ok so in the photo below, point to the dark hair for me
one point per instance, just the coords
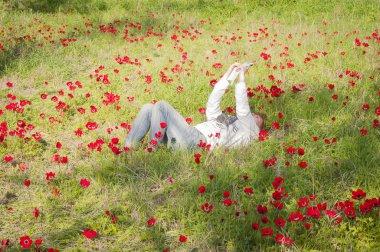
(263, 117)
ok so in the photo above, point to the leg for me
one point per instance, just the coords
(140, 127)
(177, 131)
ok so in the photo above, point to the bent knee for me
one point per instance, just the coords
(147, 106)
(161, 105)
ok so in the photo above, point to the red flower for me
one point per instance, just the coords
(302, 164)
(151, 222)
(301, 151)
(148, 79)
(227, 202)
(91, 125)
(303, 202)
(36, 213)
(84, 183)
(197, 158)
(38, 242)
(279, 222)
(280, 239)
(365, 107)
(264, 220)
(27, 183)
(8, 158)
(365, 208)
(377, 111)
(255, 226)
(358, 194)
(297, 216)
(270, 162)
(25, 242)
(248, 190)
(163, 125)
(49, 176)
(207, 208)
(277, 204)
(89, 233)
(262, 209)
(291, 150)
(263, 135)
(189, 120)
(331, 214)
(313, 212)
(277, 195)
(266, 232)
(226, 194)
(350, 212)
(277, 182)
(202, 110)
(182, 238)
(201, 189)
(363, 132)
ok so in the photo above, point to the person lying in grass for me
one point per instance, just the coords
(168, 127)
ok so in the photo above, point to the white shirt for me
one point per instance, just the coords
(240, 132)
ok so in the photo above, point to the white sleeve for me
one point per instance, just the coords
(213, 109)
(243, 112)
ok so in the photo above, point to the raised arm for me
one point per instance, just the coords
(243, 112)
(213, 109)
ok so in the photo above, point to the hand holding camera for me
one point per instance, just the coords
(240, 70)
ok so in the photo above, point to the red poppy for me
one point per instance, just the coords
(302, 164)
(38, 242)
(277, 195)
(291, 150)
(84, 183)
(163, 125)
(303, 202)
(248, 190)
(262, 209)
(89, 233)
(227, 202)
(255, 226)
(350, 212)
(277, 204)
(151, 222)
(365, 208)
(182, 238)
(36, 213)
(297, 216)
(331, 213)
(25, 242)
(301, 151)
(277, 182)
(279, 222)
(313, 212)
(27, 183)
(358, 194)
(280, 239)
(49, 176)
(266, 232)
(207, 208)
(201, 189)
(91, 125)
(226, 194)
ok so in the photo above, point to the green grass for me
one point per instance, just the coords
(135, 186)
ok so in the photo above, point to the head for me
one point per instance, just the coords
(259, 119)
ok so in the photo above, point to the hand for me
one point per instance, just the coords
(231, 68)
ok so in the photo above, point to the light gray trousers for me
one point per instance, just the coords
(177, 133)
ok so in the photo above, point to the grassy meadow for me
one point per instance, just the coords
(74, 74)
